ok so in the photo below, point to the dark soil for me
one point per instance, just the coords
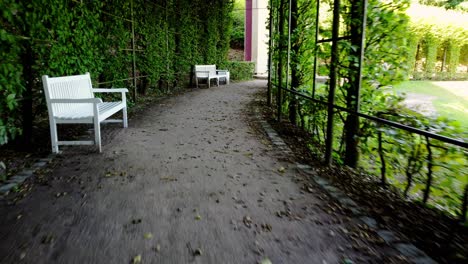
(441, 237)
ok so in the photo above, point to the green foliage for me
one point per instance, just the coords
(238, 18)
(422, 168)
(239, 70)
(438, 31)
(449, 4)
(11, 85)
(73, 37)
(453, 57)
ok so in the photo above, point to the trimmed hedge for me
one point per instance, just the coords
(239, 70)
(437, 36)
(65, 37)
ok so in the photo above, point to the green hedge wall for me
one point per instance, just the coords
(442, 38)
(239, 70)
(64, 37)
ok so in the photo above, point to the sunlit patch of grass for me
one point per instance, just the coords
(446, 103)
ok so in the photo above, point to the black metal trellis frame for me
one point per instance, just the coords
(331, 107)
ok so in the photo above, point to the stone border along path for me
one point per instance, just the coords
(408, 250)
(173, 173)
(17, 180)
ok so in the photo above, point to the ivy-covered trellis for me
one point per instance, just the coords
(141, 44)
(360, 122)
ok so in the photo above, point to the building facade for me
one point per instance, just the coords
(256, 35)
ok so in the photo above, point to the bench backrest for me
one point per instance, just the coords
(67, 87)
(209, 68)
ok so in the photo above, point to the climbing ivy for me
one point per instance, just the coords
(10, 72)
(424, 169)
(64, 37)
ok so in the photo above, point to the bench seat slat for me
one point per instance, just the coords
(82, 111)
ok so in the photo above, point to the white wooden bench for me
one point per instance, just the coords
(209, 72)
(70, 100)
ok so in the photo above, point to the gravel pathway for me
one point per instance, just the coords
(190, 181)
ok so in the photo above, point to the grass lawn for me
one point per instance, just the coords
(446, 102)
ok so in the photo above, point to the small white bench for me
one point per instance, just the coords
(209, 72)
(70, 100)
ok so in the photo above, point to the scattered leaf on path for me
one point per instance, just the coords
(197, 252)
(148, 235)
(168, 179)
(248, 154)
(197, 217)
(266, 227)
(247, 221)
(136, 221)
(265, 261)
(136, 259)
(47, 239)
(157, 248)
(281, 170)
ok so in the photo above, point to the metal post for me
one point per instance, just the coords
(331, 92)
(314, 78)
(288, 61)
(133, 54)
(352, 121)
(270, 55)
(279, 98)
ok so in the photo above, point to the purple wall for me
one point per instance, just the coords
(248, 31)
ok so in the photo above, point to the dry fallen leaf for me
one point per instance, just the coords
(136, 259)
(168, 179)
(247, 221)
(157, 248)
(281, 169)
(197, 252)
(148, 235)
(265, 261)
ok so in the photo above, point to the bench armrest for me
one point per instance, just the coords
(110, 90)
(222, 70)
(113, 90)
(76, 101)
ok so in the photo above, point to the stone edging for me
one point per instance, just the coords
(408, 250)
(16, 181)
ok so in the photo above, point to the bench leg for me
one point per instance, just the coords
(124, 114)
(196, 81)
(209, 82)
(97, 134)
(54, 137)
(217, 81)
